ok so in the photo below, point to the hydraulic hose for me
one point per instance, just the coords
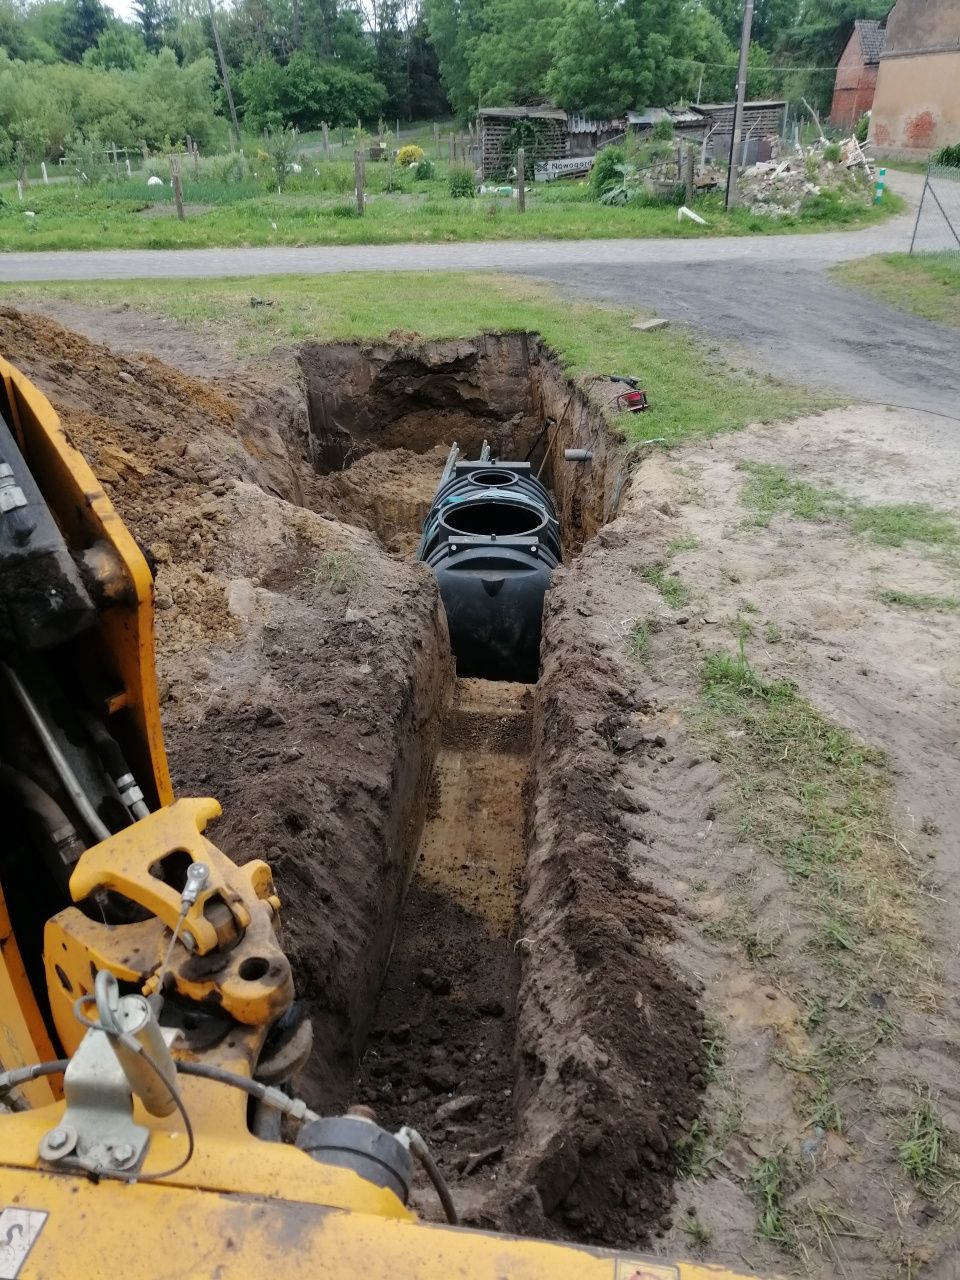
(98, 829)
(42, 805)
(266, 1094)
(420, 1149)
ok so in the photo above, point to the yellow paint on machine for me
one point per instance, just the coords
(144, 1232)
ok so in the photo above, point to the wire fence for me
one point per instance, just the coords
(937, 226)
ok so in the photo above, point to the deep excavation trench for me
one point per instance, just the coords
(480, 1036)
(479, 954)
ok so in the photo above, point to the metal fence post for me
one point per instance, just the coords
(521, 184)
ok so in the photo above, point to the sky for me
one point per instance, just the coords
(122, 8)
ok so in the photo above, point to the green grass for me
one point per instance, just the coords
(316, 208)
(819, 801)
(769, 1185)
(919, 600)
(771, 491)
(690, 397)
(927, 285)
(673, 589)
(697, 1232)
(924, 1152)
(637, 639)
(893, 525)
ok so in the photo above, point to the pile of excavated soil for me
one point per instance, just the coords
(302, 669)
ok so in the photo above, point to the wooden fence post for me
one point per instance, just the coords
(196, 163)
(436, 137)
(688, 175)
(358, 171)
(175, 183)
(521, 183)
(116, 162)
(326, 140)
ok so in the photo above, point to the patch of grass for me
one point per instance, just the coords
(770, 491)
(637, 639)
(919, 600)
(772, 633)
(111, 215)
(697, 1232)
(927, 285)
(693, 399)
(686, 542)
(893, 525)
(924, 1153)
(339, 569)
(819, 801)
(770, 1183)
(673, 589)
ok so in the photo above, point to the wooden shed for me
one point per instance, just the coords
(541, 131)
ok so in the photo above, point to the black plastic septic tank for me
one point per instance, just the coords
(492, 539)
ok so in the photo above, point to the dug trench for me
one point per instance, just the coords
(469, 925)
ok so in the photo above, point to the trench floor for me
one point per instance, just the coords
(440, 1055)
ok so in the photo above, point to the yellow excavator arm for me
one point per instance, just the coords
(147, 1012)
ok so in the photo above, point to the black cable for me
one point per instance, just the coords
(908, 408)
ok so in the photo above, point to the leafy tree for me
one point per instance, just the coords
(153, 17)
(119, 47)
(510, 59)
(453, 24)
(83, 21)
(598, 65)
(306, 92)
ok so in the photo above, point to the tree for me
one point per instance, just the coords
(510, 59)
(598, 67)
(83, 21)
(120, 47)
(453, 24)
(153, 17)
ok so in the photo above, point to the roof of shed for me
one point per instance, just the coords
(872, 35)
(708, 108)
(523, 113)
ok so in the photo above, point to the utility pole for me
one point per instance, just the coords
(732, 193)
(223, 70)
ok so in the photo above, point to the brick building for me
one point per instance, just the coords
(857, 73)
(916, 106)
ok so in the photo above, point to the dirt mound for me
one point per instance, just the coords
(302, 669)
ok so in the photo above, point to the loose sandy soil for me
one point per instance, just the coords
(585, 986)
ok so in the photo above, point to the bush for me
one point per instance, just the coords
(949, 156)
(424, 170)
(862, 128)
(461, 183)
(606, 172)
(662, 131)
(831, 152)
(409, 155)
(827, 206)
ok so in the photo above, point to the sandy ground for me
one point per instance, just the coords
(301, 662)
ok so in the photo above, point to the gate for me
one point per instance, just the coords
(937, 226)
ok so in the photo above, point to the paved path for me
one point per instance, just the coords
(503, 255)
